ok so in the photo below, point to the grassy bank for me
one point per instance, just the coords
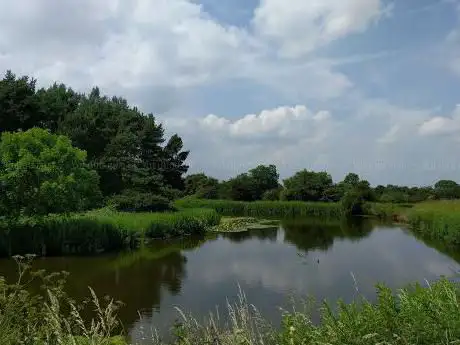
(386, 211)
(99, 231)
(266, 208)
(414, 315)
(437, 220)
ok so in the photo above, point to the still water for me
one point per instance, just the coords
(302, 257)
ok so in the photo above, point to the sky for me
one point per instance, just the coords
(368, 86)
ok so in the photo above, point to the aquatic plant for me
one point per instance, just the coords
(239, 224)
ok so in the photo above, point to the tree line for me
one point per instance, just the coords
(126, 148)
(262, 183)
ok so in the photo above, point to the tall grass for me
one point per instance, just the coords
(99, 231)
(437, 220)
(64, 234)
(386, 211)
(265, 208)
(413, 315)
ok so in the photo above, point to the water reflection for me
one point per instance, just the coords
(269, 235)
(200, 273)
(308, 234)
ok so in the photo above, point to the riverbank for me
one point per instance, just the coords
(431, 220)
(413, 315)
(99, 231)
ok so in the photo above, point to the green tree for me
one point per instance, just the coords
(202, 186)
(241, 188)
(193, 182)
(42, 173)
(447, 189)
(19, 105)
(209, 189)
(174, 166)
(351, 180)
(265, 178)
(307, 185)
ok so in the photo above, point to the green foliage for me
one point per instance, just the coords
(42, 173)
(53, 235)
(272, 194)
(307, 186)
(447, 189)
(241, 188)
(125, 146)
(252, 185)
(134, 201)
(49, 316)
(394, 197)
(202, 186)
(386, 211)
(265, 208)
(416, 315)
(193, 182)
(98, 231)
(20, 109)
(352, 203)
(437, 220)
(264, 178)
(187, 222)
(399, 194)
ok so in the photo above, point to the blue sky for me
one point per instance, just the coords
(340, 85)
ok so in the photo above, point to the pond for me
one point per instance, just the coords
(302, 257)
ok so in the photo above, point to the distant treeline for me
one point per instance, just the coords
(262, 183)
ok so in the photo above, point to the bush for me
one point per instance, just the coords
(133, 201)
(352, 203)
(272, 194)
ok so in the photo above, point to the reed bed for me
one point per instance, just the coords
(437, 220)
(99, 231)
(64, 234)
(280, 209)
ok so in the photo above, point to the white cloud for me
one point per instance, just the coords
(439, 125)
(131, 45)
(302, 26)
(381, 142)
(155, 52)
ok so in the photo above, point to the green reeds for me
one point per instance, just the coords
(437, 220)
(266, 208)
(58, 235)
(98, 231)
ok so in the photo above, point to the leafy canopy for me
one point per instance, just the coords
(42, 173)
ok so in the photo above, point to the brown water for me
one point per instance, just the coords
(325, 260)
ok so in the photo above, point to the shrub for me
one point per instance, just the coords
(352, 203)
(133, 201)
(272, 194)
